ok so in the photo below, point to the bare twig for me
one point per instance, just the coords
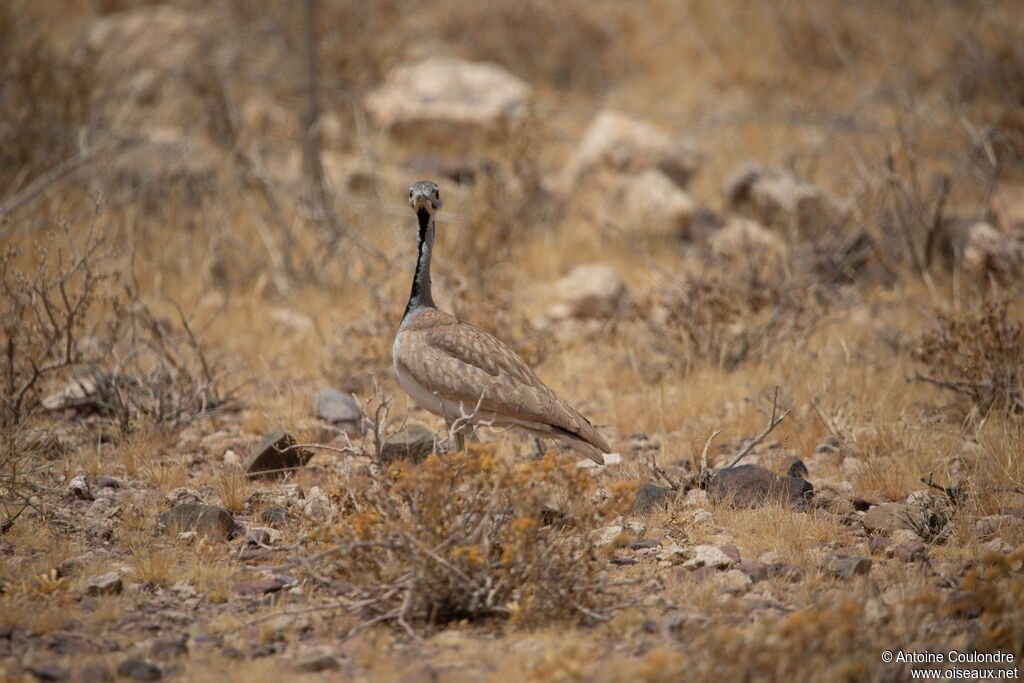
(772, 424)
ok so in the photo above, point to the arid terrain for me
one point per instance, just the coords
(774, 251)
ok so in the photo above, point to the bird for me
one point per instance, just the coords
(466, 375)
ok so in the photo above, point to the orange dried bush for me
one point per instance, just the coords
(471, 536)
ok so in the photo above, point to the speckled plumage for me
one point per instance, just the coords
(454, 369)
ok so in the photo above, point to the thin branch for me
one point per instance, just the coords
(772, 424)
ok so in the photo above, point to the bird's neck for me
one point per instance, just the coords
(420, 296)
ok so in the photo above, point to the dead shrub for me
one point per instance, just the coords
(977, 355)
(472, 536)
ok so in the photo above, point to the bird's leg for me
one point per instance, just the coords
(455, 431)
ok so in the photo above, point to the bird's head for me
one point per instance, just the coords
(425, 198)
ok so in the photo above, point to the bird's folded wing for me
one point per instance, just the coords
(464, 364)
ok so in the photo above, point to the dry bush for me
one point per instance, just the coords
(976, 355)
(729, 321)
(472, 536)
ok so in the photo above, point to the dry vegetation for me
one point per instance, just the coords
(177, 281)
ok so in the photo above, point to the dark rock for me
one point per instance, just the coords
(274, 454)
(99, 532)
(49, 672)
(623, 560)
(167, 649)
(847, 567)
(68, 567)
(209, 520)
(643, 543)
(277, 517)
(752, 485)
(107, 483)
(232, 653)
(829, 445)
(139, 670)
(878, 544)
(651, 496)
(70, 643)
(258, 586)
(789, 572)
(731, 551)
(336, 407)
(910, 551)
(788, 465)
(104, 584)
(887, 518)
(861, 505)
(757, 571)
(413, 442)
(317, 660)
(95, 673)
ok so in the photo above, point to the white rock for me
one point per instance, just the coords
(624, 144)
(650, 202)
(104, 584)
(317, 505)
(778, 199)
(734, 580)
(706, 556)
(183, 494)
(231, 458)
(79, 486)
(702, 516)
(444, 99)
(740, 236)
(592, 290)
(673, 553)
(695, 498)
(989, 250)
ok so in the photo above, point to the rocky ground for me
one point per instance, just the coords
(784, 281)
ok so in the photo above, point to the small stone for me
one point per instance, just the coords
(413, 442)
(258, 586)
(752, 486)
(317, 659)
(673, 553)
(910, 551)
(79, 488)
(848, 567)
(209, 520)
(829, 445)
(736, 581)
(336, 407)
(183, 494)
(107, 483)
(104, 584)
(757, 571)
(276, 517)
(168, 649)
(650, 497)
(49, 672)
(275, 454)
(879, 544)
(317, 505)
(232, 459)
(139, 670)
(95, 673)
(68, 567)
(706, 556)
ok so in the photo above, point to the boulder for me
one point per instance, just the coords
(209, 520)
(413, 442)
(887, 518)
(448, 102)
(650, 497)
(753, 486)
(778, 199)
(621, 143)
(592, 290)
(650, 202)
(274, 454)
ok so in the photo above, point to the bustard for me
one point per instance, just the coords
(458, 371)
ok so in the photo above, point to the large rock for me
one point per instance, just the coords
(650, 202)
(338, 408)
(778, 199)
(274, 454)
(448, 102)
(620, 143)
(208, 520)
(752, 486)
(592, 290)
(650, 497)
(886, 518)
(413, 442)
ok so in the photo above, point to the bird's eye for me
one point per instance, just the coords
(410, 194)
(437, 195)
